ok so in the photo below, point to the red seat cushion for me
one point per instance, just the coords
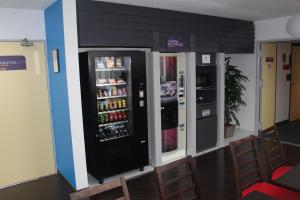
(274, 191)
(280, 171)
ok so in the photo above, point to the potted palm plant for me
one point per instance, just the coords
(234, 90)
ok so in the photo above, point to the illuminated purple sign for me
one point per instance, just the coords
(12, 63)
(175, 44)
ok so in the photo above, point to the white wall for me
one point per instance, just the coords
(247, 64)
(272, 29)
(16, 24)
(282, 85)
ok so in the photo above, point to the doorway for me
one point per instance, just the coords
(280, 89)
(295, 84)
(26, 147)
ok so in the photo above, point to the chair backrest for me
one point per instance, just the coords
(273, 149)
(178, 179)
(92, 191)
(246, 162)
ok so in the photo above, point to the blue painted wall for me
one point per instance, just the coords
(59, 92)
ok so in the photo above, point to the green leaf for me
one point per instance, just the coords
(234, 90)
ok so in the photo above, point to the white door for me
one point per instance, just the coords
(26, 148)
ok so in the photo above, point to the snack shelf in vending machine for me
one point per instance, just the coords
(111, 97)
(114, 69)
(109, 84)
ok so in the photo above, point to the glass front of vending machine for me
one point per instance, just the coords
(173, 106)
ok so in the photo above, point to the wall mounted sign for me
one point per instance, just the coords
(284, 57)
(12, 63)
(175, 44)
(55, 60)
(205, 58)
(269, 59)
(286, 67)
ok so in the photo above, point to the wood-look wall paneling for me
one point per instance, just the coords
(105, 24)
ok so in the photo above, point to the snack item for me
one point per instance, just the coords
(114, 91)
(101, 106)
(120, 80)
(120, 92)
(124, 92)
(110, 62)
(118, 62)
(112, 81)
(99, 63)
(101, 81)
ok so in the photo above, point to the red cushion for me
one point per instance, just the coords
(274, 191)
(280, 171)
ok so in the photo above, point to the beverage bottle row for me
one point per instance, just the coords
(111, 117)
(111, 104)
(112, 132)
(111, 91)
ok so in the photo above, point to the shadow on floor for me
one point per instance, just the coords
(290, 132)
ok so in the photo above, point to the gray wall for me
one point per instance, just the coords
(117, 25)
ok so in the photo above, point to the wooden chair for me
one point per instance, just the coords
(274, 154)
(92, 191)
(178, 179)
(249, 175)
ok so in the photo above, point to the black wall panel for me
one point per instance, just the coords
(104, 24)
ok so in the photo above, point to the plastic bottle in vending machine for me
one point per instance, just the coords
(115, 103)
(110, 104)
(124, 92)
(106, 117)
(98, 106)
(124, 103)
(102, 119)
(105, 105)
(120, 103)
(99, 118)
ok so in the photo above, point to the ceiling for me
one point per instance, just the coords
(238, 9)
(26, 4)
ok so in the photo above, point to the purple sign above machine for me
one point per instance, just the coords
(175, 44)
(12, 63)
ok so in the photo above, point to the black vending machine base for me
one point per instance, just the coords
(206, 133)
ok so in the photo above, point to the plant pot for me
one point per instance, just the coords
(229, 130)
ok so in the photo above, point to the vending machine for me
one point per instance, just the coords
(173, 105)
(114, 102)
